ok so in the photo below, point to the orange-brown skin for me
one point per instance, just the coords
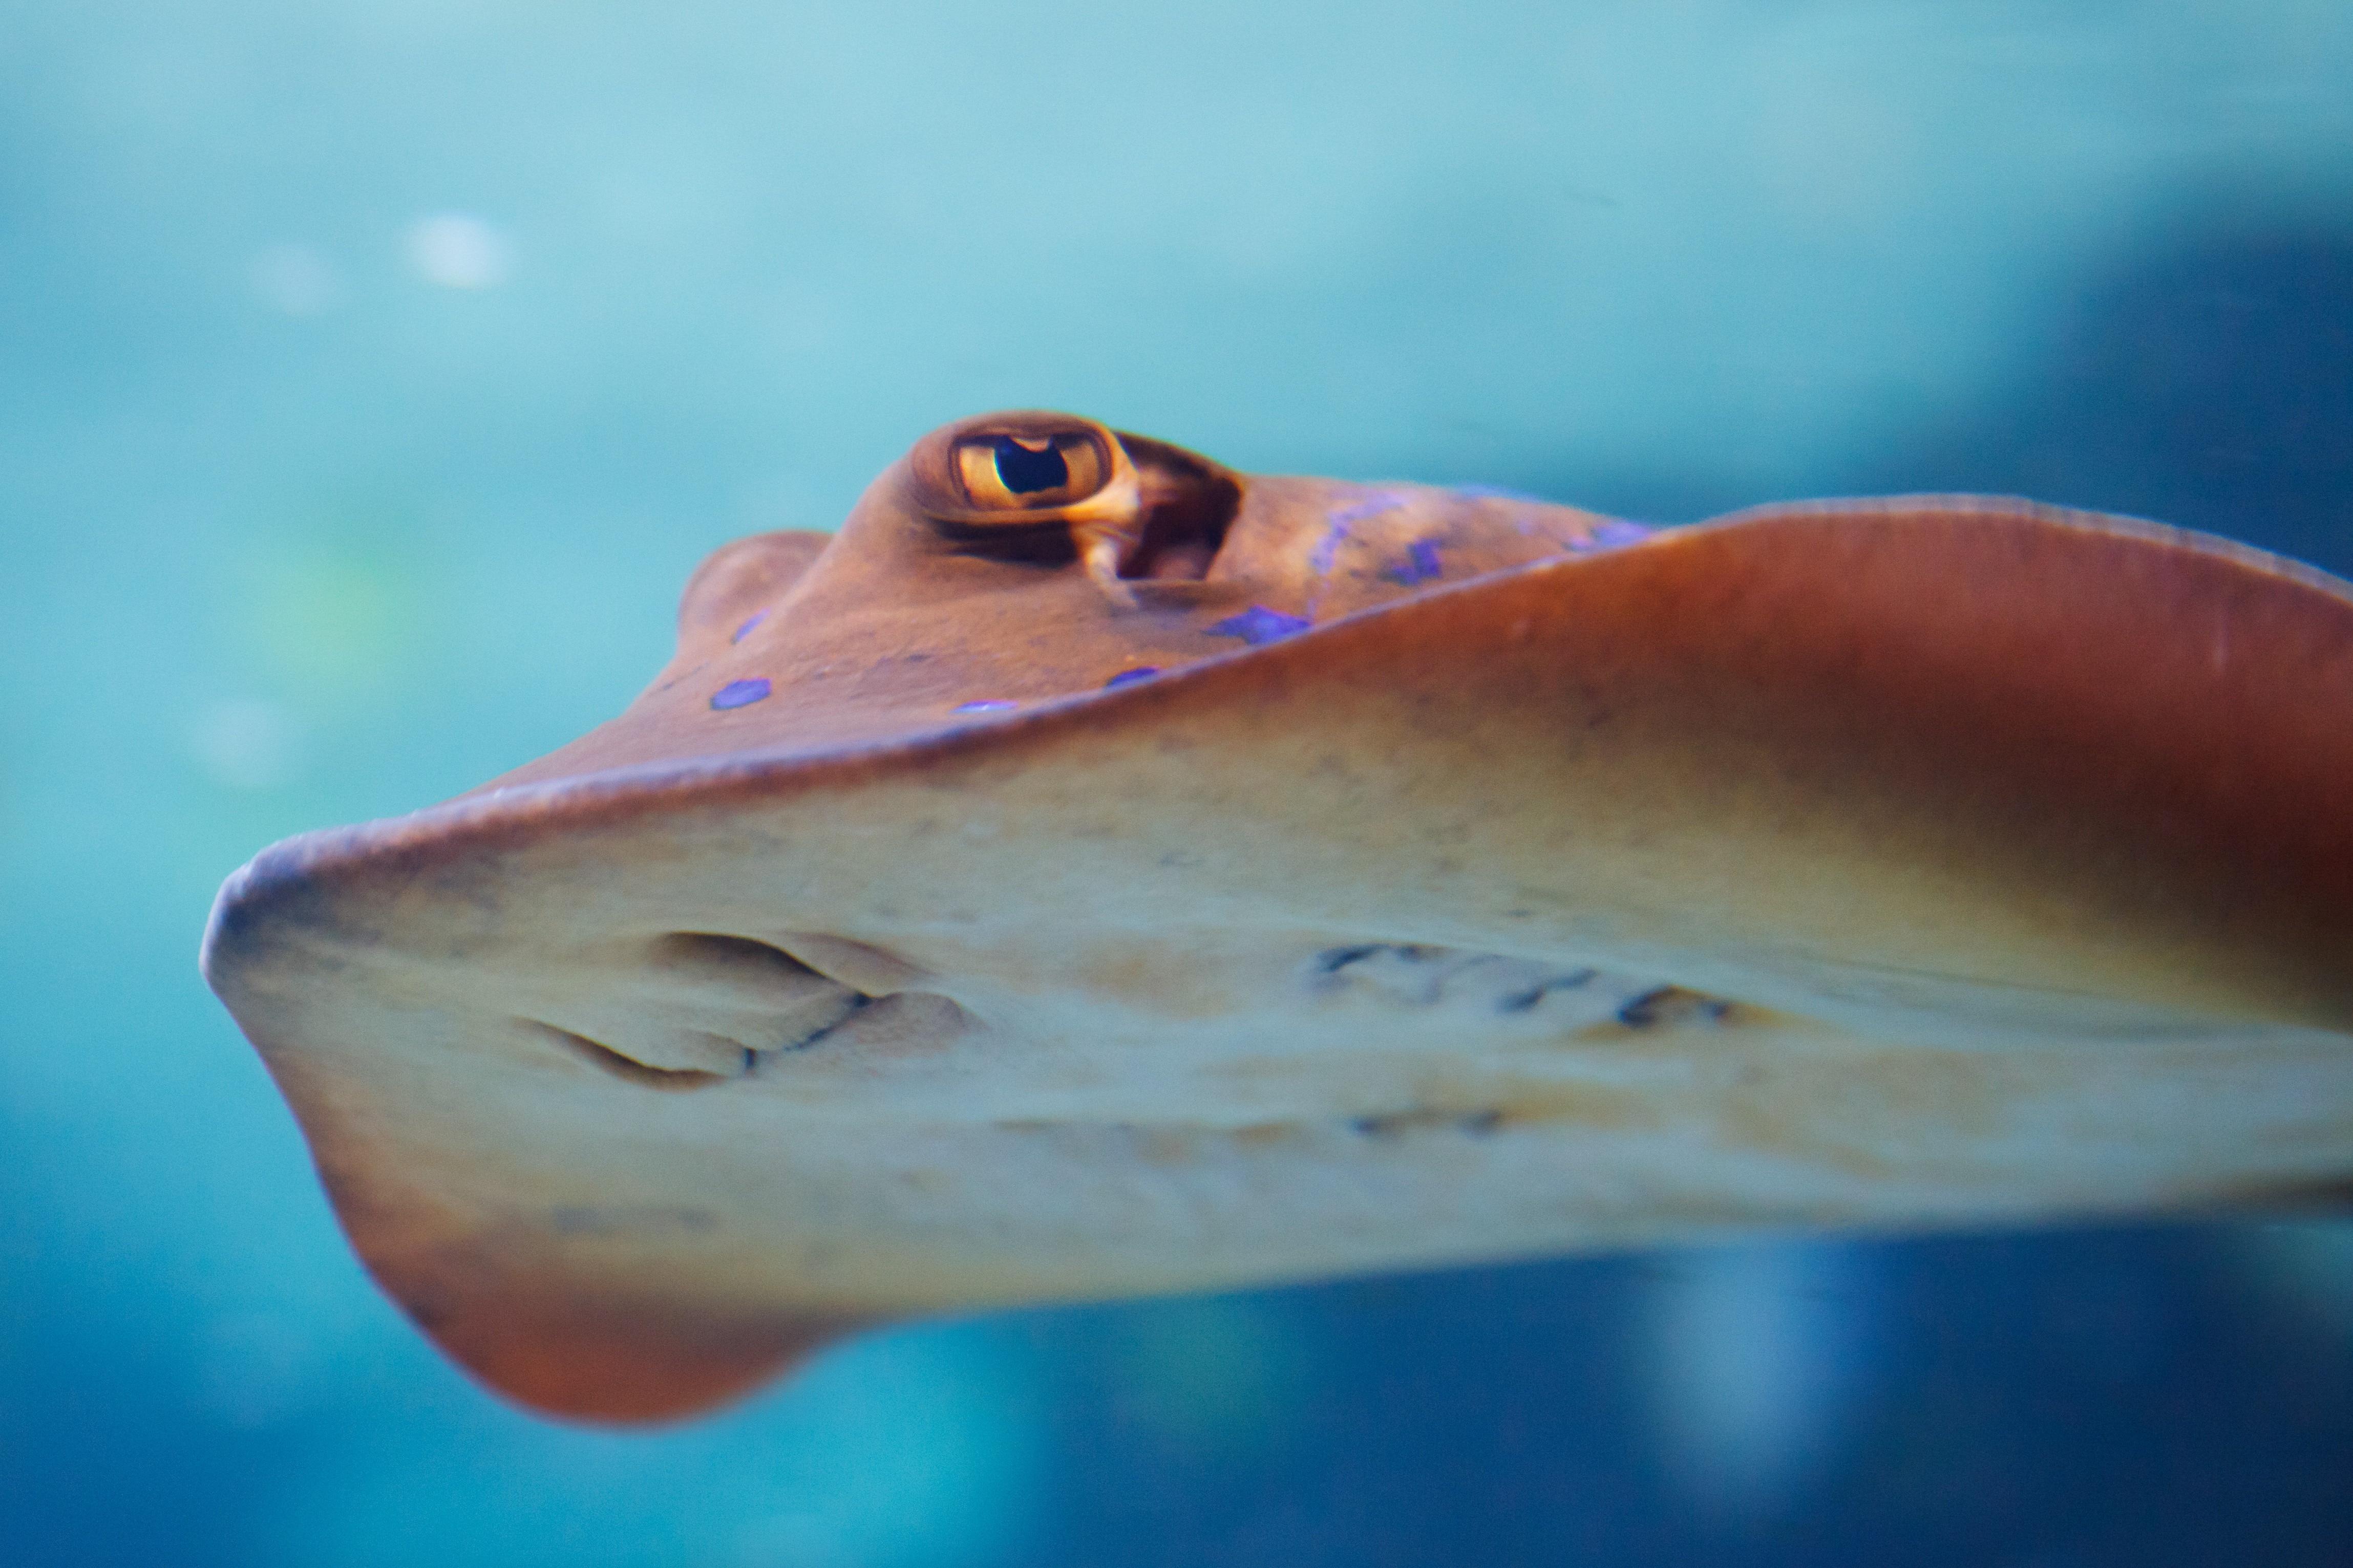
(897, 620)
(2016, 841)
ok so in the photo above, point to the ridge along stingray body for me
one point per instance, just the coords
(1093, 872)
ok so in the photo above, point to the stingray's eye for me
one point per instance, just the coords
(1033, 487)
(1027, 472)
(1018, 472)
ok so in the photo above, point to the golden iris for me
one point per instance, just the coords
(1029, 473)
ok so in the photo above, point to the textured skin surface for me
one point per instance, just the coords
(1531, 883)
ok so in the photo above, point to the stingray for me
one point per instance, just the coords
(1093, 872)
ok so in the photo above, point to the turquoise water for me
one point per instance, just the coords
(371, 377)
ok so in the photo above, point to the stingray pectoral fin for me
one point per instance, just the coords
(544, 1273)
(1945, 753)
(607, 1341)
(516, 1189)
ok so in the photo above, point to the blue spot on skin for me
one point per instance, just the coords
(1130, 676)
(1336, 528)
(1258, 625)
(1495, 492)
(1422, 564)
(1615, 531)
(745, 629)
(991, 705)
(741, 693)
(1373, 507)
(1327, 548)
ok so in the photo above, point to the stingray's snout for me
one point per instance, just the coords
(1044, 486)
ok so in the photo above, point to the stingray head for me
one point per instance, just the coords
(1093, 872)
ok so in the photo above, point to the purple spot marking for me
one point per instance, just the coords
(741, 693)
(745, 629)
(1495, 492)
(1258, 624)
(1615, 531)
(1130, 676)
(1327, 548)
(990, 706)
(1422, 564)
(1371, 507)
(1336, 528)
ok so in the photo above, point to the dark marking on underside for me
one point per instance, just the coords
(1523, 1001)
(857, 1002)
(1671, 1004)
(629, 1069)
(1426, 1118)
(1333, 960)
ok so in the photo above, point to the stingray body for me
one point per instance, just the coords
(1093, 872)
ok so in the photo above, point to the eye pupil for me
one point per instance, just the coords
(1025, 471)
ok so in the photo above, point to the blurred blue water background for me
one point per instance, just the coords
(371, 376)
